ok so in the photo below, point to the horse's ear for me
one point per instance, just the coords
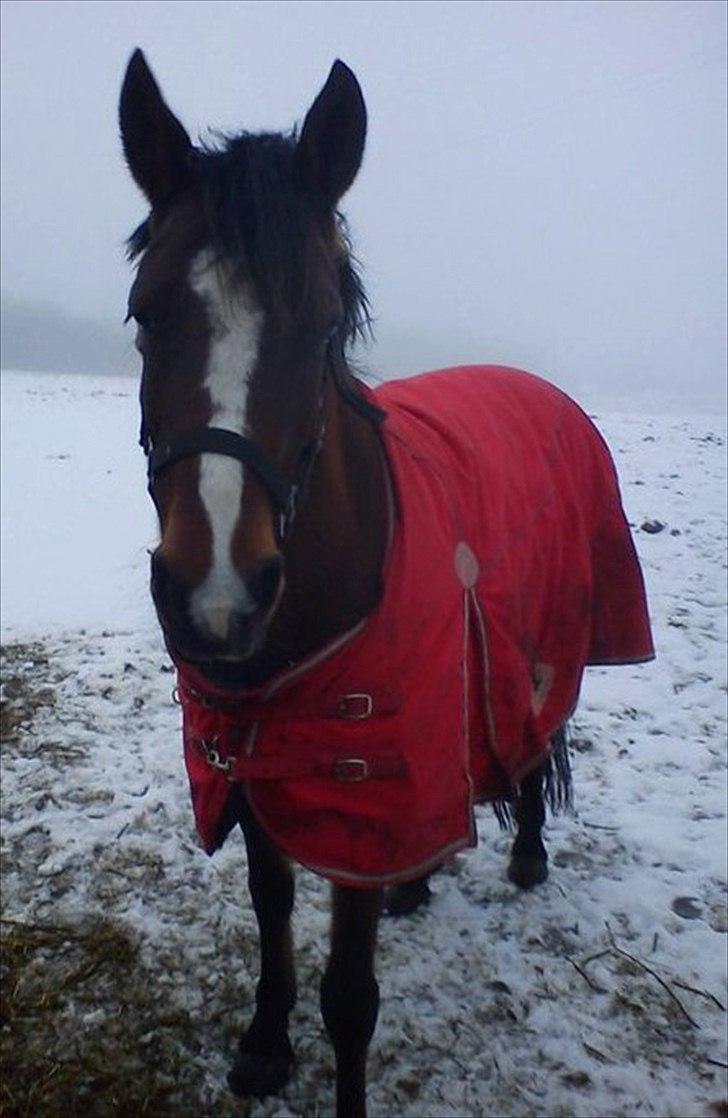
(331, 145)
(156, 146)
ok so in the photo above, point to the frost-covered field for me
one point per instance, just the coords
(132, 956)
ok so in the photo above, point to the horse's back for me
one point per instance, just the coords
(530, 486)
(514, 446)
(513, 409)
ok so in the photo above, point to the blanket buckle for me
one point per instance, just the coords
(356, 706)
(351, 769)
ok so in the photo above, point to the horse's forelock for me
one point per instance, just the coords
(259, 222)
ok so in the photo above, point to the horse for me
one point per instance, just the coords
(373, 629)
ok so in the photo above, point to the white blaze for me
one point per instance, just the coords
(235, 327)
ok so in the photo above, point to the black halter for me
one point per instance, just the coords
(284, 495)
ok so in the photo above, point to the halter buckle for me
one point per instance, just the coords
(285, 518)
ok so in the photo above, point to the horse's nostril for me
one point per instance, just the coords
(264, 581)
(168, 592)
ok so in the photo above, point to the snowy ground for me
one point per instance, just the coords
(601, 993)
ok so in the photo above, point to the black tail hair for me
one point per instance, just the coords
(557, 785)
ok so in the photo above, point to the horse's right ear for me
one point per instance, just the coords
(157, 149)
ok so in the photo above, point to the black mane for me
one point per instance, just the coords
(261, 223)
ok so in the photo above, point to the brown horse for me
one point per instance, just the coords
(279, 516)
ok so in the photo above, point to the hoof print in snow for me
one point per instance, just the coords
(579, 1079)
(687, 907)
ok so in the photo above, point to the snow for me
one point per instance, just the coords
(74, 533)
(491, 1002)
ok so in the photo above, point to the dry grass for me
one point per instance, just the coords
(22, 698)
(83, 1030)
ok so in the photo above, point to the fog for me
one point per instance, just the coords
(544, 183)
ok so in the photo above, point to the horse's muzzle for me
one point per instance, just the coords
(226, 631)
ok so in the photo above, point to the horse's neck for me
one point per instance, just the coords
(338, 543)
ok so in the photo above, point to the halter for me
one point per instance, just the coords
(284, 495)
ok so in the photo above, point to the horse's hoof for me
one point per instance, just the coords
(402, 900)
(258, 1075)
(527, 872)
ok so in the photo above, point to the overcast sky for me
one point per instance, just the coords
(544, 183)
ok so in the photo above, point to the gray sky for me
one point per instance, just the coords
(544, 182)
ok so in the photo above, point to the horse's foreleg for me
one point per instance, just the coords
(265, 1057)
(529, 861)
(350, 994)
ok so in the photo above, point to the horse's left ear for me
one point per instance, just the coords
(331, 145)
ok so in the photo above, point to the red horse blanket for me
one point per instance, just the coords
(511, 568)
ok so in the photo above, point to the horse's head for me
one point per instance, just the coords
(244, 290)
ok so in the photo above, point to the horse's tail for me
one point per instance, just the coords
(557, 783)
(558, 788)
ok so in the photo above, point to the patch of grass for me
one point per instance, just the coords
(84, 1029)
(22, 668)
(29, 689)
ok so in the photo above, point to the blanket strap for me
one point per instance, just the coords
(349, 770)
(353, 706)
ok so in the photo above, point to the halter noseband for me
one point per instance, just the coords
(218, 440)
(284, 495)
